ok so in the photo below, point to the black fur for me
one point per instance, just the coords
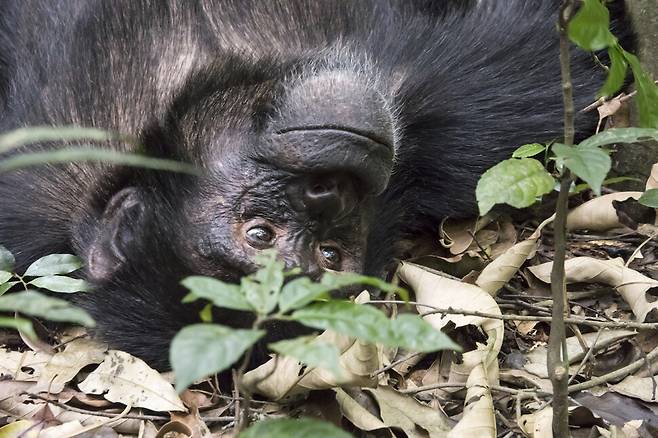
(238, 87)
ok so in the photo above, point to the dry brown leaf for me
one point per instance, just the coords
(404, 412)
(284, 377)
(538, 424)
(357, 414)
(65, 365)
(441, 292)
(536, 360)
(497, 273)
(24, 366)
(652, 181)
(457, 235)
(598, 214)
(478, 419)
(194, 423)
(122, 378)
(630, 284)
(644, 388)
(507, 238)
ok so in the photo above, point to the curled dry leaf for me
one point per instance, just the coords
(283, 377)
(65, 365)
(630, 284)
(538, 424)
(536, 360)
(123, 378)
(478, 419)
(598, 214)
(357, 414)
(441, 292)
(502, 269)
(404, 412)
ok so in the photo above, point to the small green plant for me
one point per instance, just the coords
(46, 273)
(204, 349)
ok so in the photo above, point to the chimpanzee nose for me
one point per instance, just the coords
(324, 197)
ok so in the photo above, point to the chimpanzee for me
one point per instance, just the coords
(327, 129)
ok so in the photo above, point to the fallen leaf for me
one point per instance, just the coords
(644, 388)
(357, 414)
(122, 378)
(441, 292)
(538, 424)
(497, 273)
(25, 366)
(404, 412)
(65, 365)
(630, 284)
(478, 419)
(598, 214)
(652, 181)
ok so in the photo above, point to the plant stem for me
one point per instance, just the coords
(558, 362)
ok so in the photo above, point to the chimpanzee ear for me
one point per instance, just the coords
(118, 230)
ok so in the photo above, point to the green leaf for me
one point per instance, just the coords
(5, 276)
(289, 428)
(54, 264)
(528, 150)
(217, 292)
(649, 198)
(647, 93)
(21, 324)
(262, 289)
(616, 73)
(313, 353)
(360, 321)
(38, 134)
(517, 182)
(299, 292)
(589, 164)
(619, 135)
(53, 309)
(589, 28)
(206, 313)
(338, 280)
(371, 325)
(6, 259)
(201, 350)
(415, 334)
(5, 287)
(86, 153)
(60, 283)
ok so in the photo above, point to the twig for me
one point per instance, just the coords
(637, 250)
(394, 364)
(603, 100)
(97, 413)
(510, 317)
(100, 424)
(617, 374)
(589, 353)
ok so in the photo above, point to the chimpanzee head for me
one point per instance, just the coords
(291, 159)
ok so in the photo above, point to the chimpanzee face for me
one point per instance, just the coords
(294, 170)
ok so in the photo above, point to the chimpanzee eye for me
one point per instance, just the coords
(260, 236)
(331, 257)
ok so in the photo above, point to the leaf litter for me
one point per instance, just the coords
(497, 308)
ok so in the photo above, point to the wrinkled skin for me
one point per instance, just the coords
(329, 130)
